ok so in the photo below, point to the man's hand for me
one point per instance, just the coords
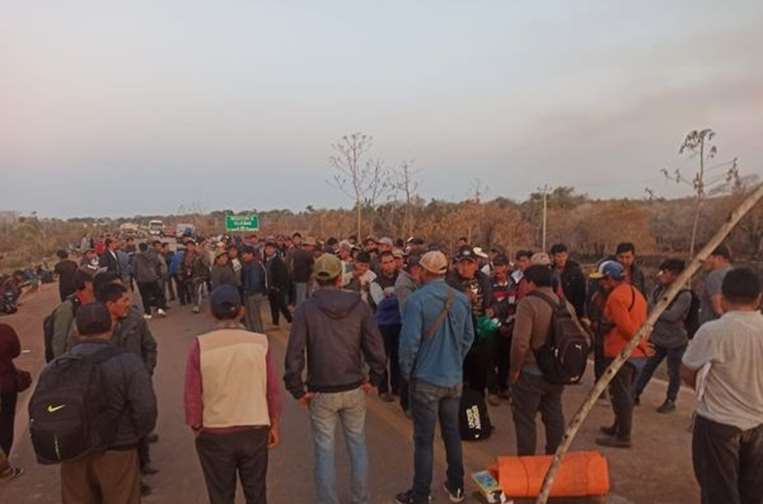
(367, 388)
(196, 430)
(306, 399)
(274, 437)
(515, 377)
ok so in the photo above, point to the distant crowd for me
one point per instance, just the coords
(449, 334)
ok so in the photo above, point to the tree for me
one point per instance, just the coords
(363, 179)
(407, 186)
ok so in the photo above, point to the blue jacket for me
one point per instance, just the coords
(253, 279)
(439, 359)
(176, 261)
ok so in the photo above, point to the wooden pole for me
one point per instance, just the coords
(644, 332)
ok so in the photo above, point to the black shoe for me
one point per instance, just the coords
(152, 438)
(407, 498)
(667, 407)
(609, 431)
(144, 489)
(456, 495)
(614, 442)
(148, 470)
(387, 397)
(637, 401)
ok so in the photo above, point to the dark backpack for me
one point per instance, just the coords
(692, 322)
(68, 411)
(474, 421)
(49, 327)
(564, 355)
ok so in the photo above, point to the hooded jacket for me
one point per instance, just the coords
(339, 333)
(145, 267)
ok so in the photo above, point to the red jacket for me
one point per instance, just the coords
(10, 348)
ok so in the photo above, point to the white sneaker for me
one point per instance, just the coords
(147, 317)
(161, 312)
(195, 309)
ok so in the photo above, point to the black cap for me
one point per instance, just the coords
(501, 260)
(93, 318)
(411, 261)
(465, 253)
(363, 257)
(722, 251)
(225, 301)
(247, 249)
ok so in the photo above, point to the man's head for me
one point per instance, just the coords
(248, 254)
(93, 321)
(669, 271)
(309, 244)
(225, 303)
(466, 262)
(434, 265)
(501, 266)
(270, 249)
(522, 259)
(741, 290)
(345, 251)
(156, 245)
(539, 276)
(190, 246)
(399, 258)
(165, 248)
(62, 254)
(610, 274)
(388, 263)
(143, 247)
(116, 299)
(233, 251)
(327, 270)
(386, 244)
(413, 267)
(559, 255)
(84, 285)
(626, 254)
(720, 258)
(362, 264)
(221, 258)
(111, 244)
(103, 279)
(296, 239)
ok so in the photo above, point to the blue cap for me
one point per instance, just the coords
(225, 301)
(611, 269)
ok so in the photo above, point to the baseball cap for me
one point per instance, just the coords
(480, 253)
(93, 318)
(248, 249)
(501, 260)
(398, 254)
(327, 267)
(387, 241)
(498, 249)
(434, 262)
(540, 259)
(611, 269)
(465, 253)
(411, 261)
(225, 301)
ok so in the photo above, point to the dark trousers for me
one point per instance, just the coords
(477, 365)
(428, 403)
(674, 356)
(151, 295)
(277, 299)
(532, 394)
(728, 462)
(223, 457)
(501, 357)
(621, 390)
(391, 382)
(183, 290)
(7, 415)
(171, 287)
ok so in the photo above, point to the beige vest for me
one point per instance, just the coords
(234, 378)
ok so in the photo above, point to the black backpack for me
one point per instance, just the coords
(564, 355)
(692, 318)
(68, 411)
(474, 421)
(49, 327)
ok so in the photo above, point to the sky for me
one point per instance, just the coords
(143, 107)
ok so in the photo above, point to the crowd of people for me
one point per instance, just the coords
(443, 332)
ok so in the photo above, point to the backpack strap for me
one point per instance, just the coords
(555, 306)
(431, 330)
(633, 299)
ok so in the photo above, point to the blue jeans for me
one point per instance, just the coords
(428, 402)
(301, 292)
(349, 408)
(674, 356)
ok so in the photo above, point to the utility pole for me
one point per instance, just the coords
(544, 190)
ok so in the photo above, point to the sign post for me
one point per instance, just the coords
(242, 223)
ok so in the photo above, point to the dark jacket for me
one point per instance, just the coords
(145, 267)
(110, 262)
(253, 278)
(301, 265)
(638, 280)
(10, 348)
(278, 274)
(340, 335)
(573, 283)
(485, 286)
(223, 275)
(129, 391)
(134, 335)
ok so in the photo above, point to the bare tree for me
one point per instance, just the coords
(363, 179)
(407, 186)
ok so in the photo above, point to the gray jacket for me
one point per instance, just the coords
(134, 335)
(146, 267)
(223, 275)
(130, 394)
(64, 330)
(670, 329)
(404, 287)
(339, 333)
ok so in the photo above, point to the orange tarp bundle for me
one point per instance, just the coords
(581, 474)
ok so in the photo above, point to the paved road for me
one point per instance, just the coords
(656, 470)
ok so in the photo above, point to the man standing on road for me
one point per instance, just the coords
(109, 260)
(669, 335)
(64, 315)
(437, 333)
(387, 314)
(232, 403)
(254, 285)
(278, 283)
(340, 335)
(716, 266)
(531, 392)
(301, 268)
(624, 313)
(570, 277)
(727, 448)
(66, 269)
(626, 255)
(146, 269)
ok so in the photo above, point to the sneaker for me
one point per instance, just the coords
(11, 473)
(407, 498)
(147, 316)
(152, 438)
(614, 442)
(161, 312)
(387, 397)
(145, 489)
(493, 400)
(456, 495)
(609, 431)
(667, 407)
(195, 309)
(148, 470)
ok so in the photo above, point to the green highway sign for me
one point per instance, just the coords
(242, 222)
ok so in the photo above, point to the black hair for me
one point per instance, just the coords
(296, 235)
(62, 254)
(463, 239)
(523, 253)
(558, 248)
(110, 293)
(143, 247)
(103, 279)
(226, 311)
(624, 247)
(81, 278)
(153, 243)
(741, 285)
(540, 275)
(673, 265)
(108, 242)
(363, 257)
(332, 241)
(386, 253)
(325, 282)
(722, 251)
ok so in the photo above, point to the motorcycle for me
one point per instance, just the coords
(8, 303)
